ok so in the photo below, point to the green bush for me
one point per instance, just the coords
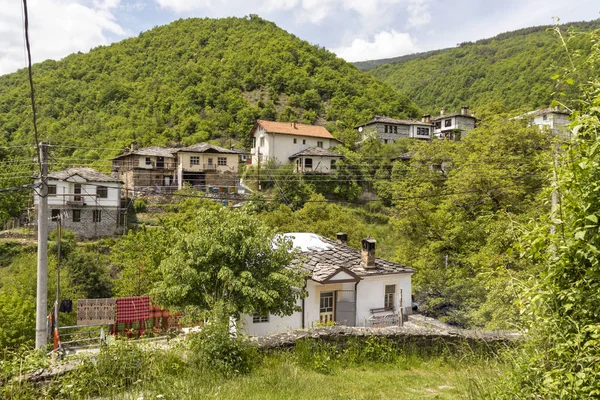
(140, 205)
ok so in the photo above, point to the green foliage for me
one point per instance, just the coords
(189, 81)
(512, 70)
(89, 274)
(139, 205)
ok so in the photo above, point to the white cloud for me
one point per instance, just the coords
(419, 15)
(56, 29)
(384, 45)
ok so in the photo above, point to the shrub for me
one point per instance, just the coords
(140, 205)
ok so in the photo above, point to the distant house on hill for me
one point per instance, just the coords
(388, 130)
(453, 126)
(306, 145)
(345, 286)
(169, 168)
(87, 201)
(552, 118)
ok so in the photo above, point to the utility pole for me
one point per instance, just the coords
(41, 307)
(56, 303)
(258, 156)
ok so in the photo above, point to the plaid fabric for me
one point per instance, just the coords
(131, 309)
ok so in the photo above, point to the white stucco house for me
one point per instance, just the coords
(88, 202)
(345, 286)
(453, 126)
(285, 141)
(552, 118)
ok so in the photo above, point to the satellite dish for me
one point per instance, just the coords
(360, 128)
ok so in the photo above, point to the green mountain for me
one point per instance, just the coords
(510, 71)
(190, 81)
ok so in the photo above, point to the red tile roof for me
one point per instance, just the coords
(294, 128)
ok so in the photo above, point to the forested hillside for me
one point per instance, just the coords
(511, 71)
(187, 82)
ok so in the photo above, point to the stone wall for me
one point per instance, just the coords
(109, 224)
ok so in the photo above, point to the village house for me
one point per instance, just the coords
(87, 202)
(453, 126)
(388, 130)
(305, 145)
(346, 286)
(552, 118)
(170, 168)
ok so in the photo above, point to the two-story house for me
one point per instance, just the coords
(552, 118)
(388, 130)
(148, 167)
(305, 145)
(87, 202)
(205, 164)
(453, 126)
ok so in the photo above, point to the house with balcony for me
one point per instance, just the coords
(453, 126)
(205, 164)
(285, 141)
(86, 201)
(345, 286)
(146, 168)
(388, 130)
(315, 159)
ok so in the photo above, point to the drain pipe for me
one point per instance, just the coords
(304, 301)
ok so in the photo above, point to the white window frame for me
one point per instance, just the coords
(389, 297)
(51, 190)
(320, 144)
(259, 319)
(222, 161)
(102, 192)
(148, 161)
(194, 160)
(96, 215)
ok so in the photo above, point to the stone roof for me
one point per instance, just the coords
(324, 257)
(315, 152)
(89, 174)
(294, 128)
(206, 148)
(150, 151)
(548, 110)
(387, 120)
(440, 117)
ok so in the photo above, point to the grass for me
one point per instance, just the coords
(280, 377)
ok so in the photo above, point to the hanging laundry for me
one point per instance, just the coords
(66, 306)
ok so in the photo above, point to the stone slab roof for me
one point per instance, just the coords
(548, 110)
(206, 148)
(386, 120)
(441, 117)
(323, 257)
(315, 152)
(294, 128)
(150, 151)
(89, 174)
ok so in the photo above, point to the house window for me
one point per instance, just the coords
(148, 161)
(422, 131)
(253, 142)
(210, 162)
(51, 190)
(257, 318)
(438, 125)
(76, 215)
(262, 141)
(390, 293)
(385, 128)
(77, 192)
(333, 166)
(97, 215)
(308, 163)
(320, 143)
(384, 141)
(545, 118)
(447, 123)
(326, 307)
(295, 141)
(102, 192)
(303, 141)
(395, 129)
(194, 160)
(55, 214)
(221, 160)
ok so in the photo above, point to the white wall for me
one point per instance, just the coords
(371, 293)
(276, 324)
(65, 191)
(280, 147)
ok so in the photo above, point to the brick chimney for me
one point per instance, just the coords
(342, 238)
(367, 257)
(426, 119)
(464, 110)
(134, 146)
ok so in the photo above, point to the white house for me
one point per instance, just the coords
(346, 286)
(279, 141)
(388, 130)
(554, 119)
(88, 202)
(315, 159)
(453, 126)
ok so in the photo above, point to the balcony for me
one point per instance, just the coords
(75, 203)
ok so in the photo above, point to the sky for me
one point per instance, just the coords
(355, 30)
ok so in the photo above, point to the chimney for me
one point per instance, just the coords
(294, 124)
(426, 119)
(442, 111)
(134, 146)
(342, 238)
(368, 253)
(464, 110)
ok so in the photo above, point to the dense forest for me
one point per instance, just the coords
(512, 71)
(190, 81)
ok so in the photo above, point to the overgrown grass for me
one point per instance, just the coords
(210, 366)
